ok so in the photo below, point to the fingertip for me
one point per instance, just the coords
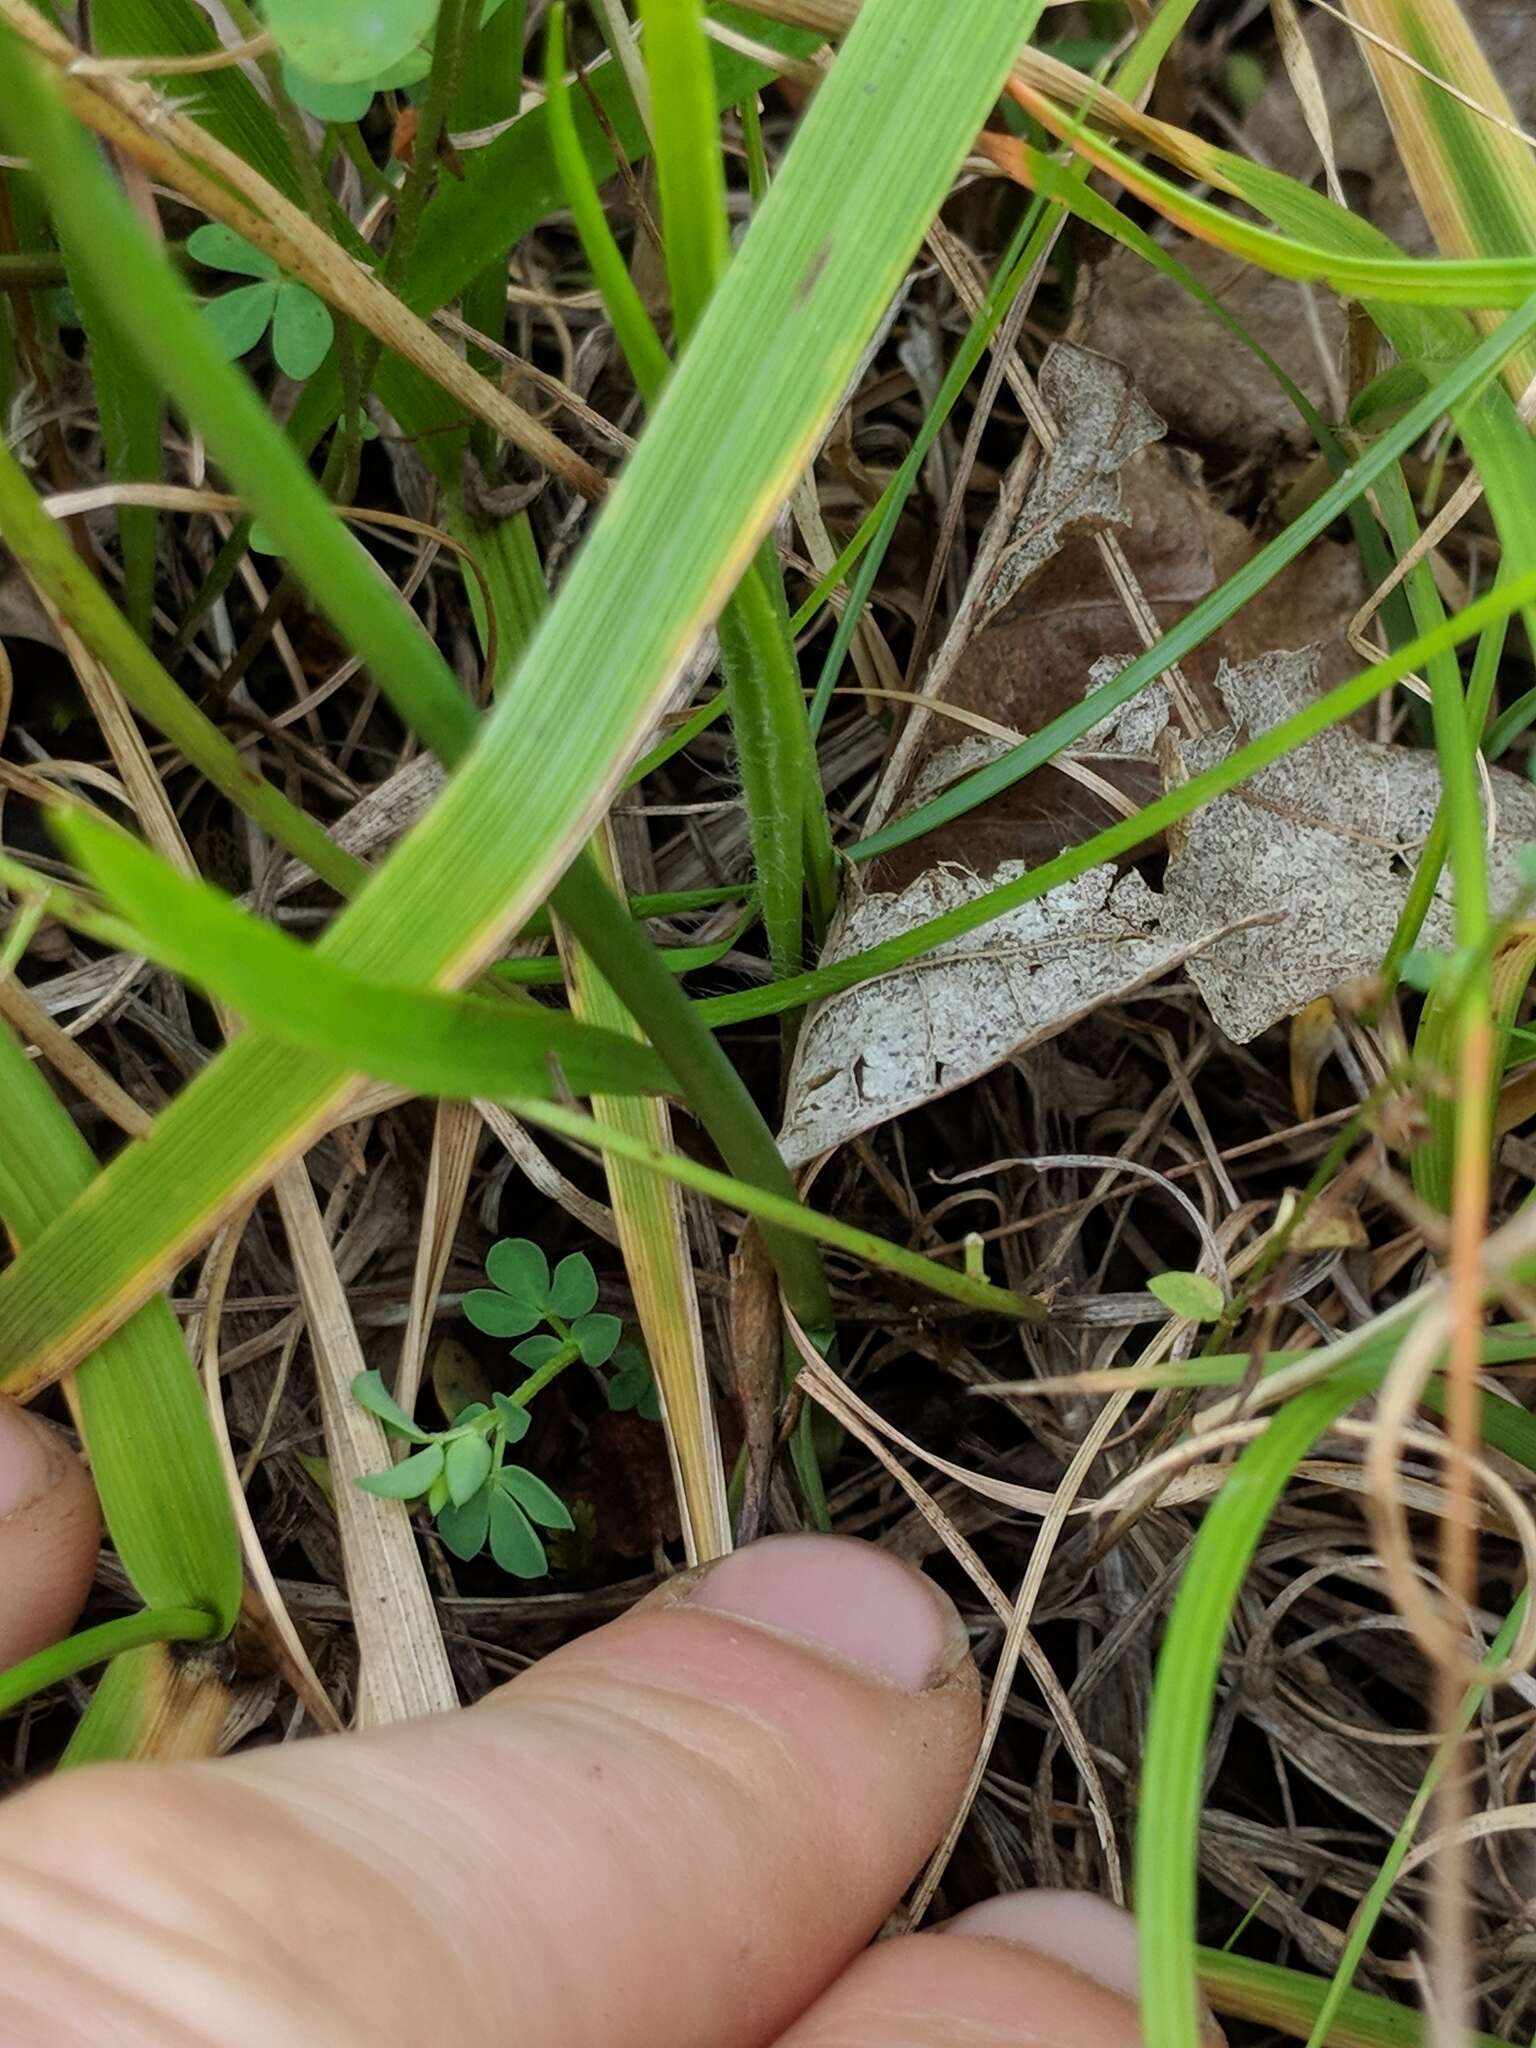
(1088, 1933)
(931, 1991)
(50, 1531)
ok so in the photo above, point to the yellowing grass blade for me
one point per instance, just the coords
(864, 175)
(138, 1401)
(653, 1235)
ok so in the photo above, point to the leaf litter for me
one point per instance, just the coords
(1270, 897)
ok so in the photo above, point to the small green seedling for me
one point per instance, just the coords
(301, 324)
(461, 1473)
(1191, 1295)
(524, 1294)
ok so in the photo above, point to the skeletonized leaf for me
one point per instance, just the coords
(886, 1046)
(1105, 421)
(1326, 839)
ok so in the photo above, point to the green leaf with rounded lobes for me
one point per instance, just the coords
(514, 1418)
(327, 102)
(1191, 1295)
(464, 1529)
(597, 1337)
(537, 1500)
(220, 248)
(239, 318)
(339, 42)
(497, 1314)
(538, 1351)
(574, 1288)
(408, 1480)
(302, 331)
(519, 1268)
(467, 1466)
(514, 1542)
(370, 1392)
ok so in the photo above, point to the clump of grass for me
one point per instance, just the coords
(662, 244)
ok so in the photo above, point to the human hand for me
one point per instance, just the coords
(682, 1828)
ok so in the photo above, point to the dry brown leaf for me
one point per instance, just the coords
(1211, 391)
(1328, 836)
(1104, 422)
(889, 1045)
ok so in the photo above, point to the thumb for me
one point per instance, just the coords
(49, 1533)
(678, 1829)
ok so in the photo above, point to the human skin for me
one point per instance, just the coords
(683, 1828)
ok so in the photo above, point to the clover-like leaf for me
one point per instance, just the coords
(1190, 1295)
(497, 1314)
(514, 1418)
(327, 102)
(370, 1392)
(536, 1351)
(596, 1337)
(514, 1542)
(574, 1288)
(238, 319)
(220, 248)
(519, 1269)
(408, 1480)
(632, 1386)
(302, 330)
(540, 1502)
(467, 1466)
(338, 42)
(464, 1529)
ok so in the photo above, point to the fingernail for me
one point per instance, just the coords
(27, 1466)
(1076, 1928)
(850, 1598)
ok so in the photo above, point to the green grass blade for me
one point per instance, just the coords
(432, 1044)
(140, 1404)
(1272, 1996)
(149, 1703)
(788, 1215)
(43, 549)
(1363, 1920)
(865, 173)
(686, 140)
(1473, 369)
(1126, 835)
(129, 403)
(99, 1645)
(146, 299)
(1183, 1695)
(648, 361)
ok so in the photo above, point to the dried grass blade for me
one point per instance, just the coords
(403, 1667)
(455, 1138)
(653, 1235)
